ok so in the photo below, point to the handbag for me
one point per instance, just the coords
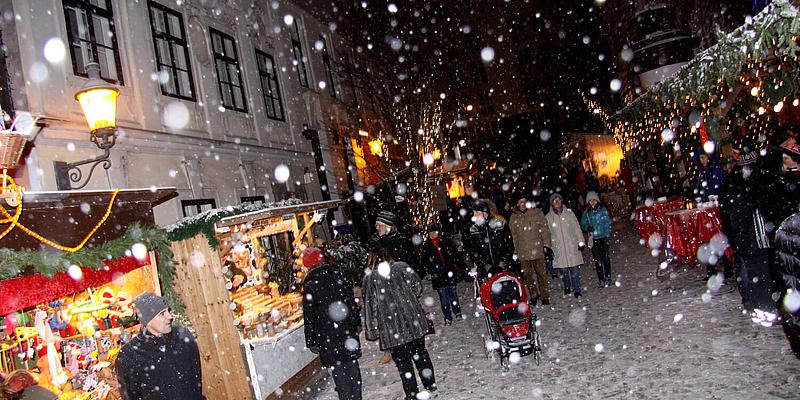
(590, 242)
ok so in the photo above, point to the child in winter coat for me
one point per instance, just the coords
(597, 222)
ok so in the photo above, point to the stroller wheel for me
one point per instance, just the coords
(505, 363)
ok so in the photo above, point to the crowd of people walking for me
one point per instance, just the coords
(539, 245)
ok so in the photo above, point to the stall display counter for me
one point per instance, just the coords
(286, 355)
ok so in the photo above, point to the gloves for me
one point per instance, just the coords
(581, 246)
(548, 253)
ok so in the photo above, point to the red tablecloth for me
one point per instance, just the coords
(650, 219)
(686, 230)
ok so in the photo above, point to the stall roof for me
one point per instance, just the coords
(154, 196)
(64, 217)
(277, 211)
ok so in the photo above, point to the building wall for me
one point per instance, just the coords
(219, 153)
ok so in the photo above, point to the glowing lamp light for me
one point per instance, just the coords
(362, 132)
(376, 147)
(437, 154)
(98, 100)
(468, 107)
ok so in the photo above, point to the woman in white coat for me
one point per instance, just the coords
(567, 242)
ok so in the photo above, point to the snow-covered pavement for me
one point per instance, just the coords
(645, 339)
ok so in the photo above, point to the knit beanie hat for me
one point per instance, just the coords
(148, 305)
(434, 227)
(312, 257)
(481, 206)
(387, 218)
(592, 196)
(554, 196)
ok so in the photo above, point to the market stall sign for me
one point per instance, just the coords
(28, 291)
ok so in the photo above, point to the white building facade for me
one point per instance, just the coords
(214, 96)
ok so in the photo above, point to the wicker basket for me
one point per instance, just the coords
(11, 147)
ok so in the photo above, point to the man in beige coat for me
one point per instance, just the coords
(531, 235)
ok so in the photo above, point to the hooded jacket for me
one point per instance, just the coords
(332, 318)
(160, 368)
(530, 233)
(597, 222)
(392, 312)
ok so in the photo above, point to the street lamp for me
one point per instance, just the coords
(98, 100)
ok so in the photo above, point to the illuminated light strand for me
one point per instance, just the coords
(16, 223)
(11, 220)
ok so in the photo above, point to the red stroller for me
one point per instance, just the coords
(509, 318)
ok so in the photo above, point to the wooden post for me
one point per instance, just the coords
(201, 287)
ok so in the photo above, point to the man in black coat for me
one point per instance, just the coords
(490, 246)
(332, 322)
(396, 242)
(744, 224)
(159, 363)
(440, 257)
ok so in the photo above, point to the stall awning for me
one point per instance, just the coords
(28, 291)
(277, 211)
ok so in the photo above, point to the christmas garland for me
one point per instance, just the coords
(48, 263)
(761, 55)
(772, 33)
(204, 222)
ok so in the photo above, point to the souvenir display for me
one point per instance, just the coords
(262, 277)
(70, 343)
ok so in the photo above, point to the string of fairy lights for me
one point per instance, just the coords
(13, 220)
(755, 67)
(422, 141)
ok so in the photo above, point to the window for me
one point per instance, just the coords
(256, 200)
(299, 58)
(269, 85)
(229, 76)
(172, 52)
(197, 206)
(326, 62)
(91, 35)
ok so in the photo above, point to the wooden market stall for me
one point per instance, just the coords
(64, 316)
(241, 292)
